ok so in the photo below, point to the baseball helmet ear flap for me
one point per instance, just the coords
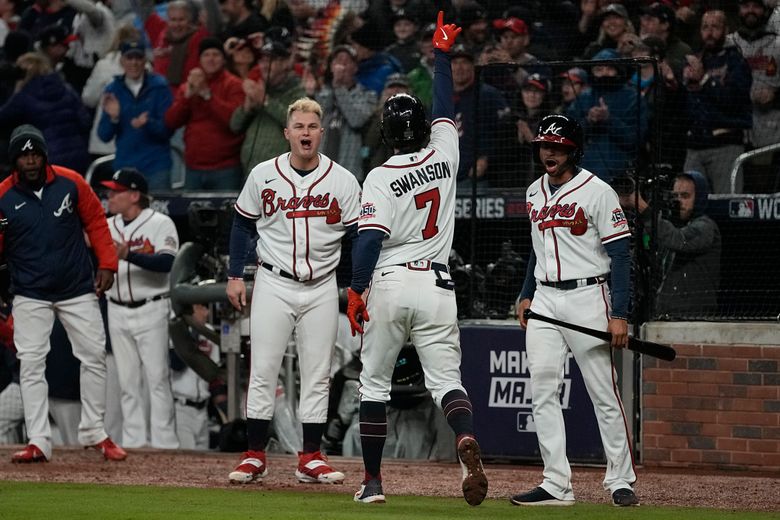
(560, 129)
(405, 125)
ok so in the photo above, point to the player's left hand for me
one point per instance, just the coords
(104, 279)
(356, 311)
(445, 34)
(619, 330)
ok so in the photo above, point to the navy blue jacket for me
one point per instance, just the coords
(722, 103)
(48, 103)
(485, 122)
(146, 148)
(44, 241)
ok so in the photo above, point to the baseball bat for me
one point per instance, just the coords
(657, 350)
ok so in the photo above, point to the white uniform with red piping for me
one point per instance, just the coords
(300, 223)
(411, 198)
(138, 309)
(568, 231)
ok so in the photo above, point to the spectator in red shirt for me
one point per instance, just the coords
(204, 103)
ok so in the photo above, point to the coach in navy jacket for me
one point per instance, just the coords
(48, 210)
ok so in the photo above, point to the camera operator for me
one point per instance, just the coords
(689, 244)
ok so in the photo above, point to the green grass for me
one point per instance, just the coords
(31, 500)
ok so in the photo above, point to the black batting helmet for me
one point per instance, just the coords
(405, 125)
(560, 129)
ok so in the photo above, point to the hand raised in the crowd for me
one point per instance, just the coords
(140, 120)
(599, 113)
(445, 34)
(254, 92)
(693, 72)
(111, 105)
(196, 82)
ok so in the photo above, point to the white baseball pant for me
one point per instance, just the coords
(404, 304)
(547, 347)
(139, 340)
(281, 306)
(33, 321)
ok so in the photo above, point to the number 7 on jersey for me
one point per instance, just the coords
(421, 200)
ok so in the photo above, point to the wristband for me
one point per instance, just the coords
(236, 278)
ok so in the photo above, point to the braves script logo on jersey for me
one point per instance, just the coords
(559, 215)
(302, 207)
(141, 245)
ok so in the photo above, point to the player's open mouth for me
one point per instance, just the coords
(550, 165)
(306, 144)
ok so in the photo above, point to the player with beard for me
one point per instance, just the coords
(580, 236)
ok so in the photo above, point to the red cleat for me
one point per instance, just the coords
(252, 467)
(110, 450)
(313, 468)
(30, 453)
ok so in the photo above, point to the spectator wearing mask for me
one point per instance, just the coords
(608, 115)
(204, 105)
(690, 245)
(718, 82)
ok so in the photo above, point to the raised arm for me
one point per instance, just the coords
(443, 40)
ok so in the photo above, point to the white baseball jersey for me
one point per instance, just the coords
(412, 199)
(300, 220)
(570, 227)
(151, 233)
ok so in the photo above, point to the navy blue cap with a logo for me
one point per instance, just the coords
(127, 179)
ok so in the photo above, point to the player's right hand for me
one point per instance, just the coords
(445, 34)
(356, 311)
(521, 307)
(236, 293)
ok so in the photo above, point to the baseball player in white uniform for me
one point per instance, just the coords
(300, 204)
(579, 235)
(191, 392)
(138, 309)
(401, 286)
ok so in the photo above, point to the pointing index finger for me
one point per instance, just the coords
(440, 20)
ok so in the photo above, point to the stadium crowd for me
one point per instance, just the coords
(194, 93)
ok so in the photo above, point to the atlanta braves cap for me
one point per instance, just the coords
(127, 179)
(26, 138)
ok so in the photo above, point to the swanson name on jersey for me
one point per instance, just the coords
(420, 176)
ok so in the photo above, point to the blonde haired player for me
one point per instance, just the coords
(300, 204)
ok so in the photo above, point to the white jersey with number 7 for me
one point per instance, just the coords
(411, 198)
